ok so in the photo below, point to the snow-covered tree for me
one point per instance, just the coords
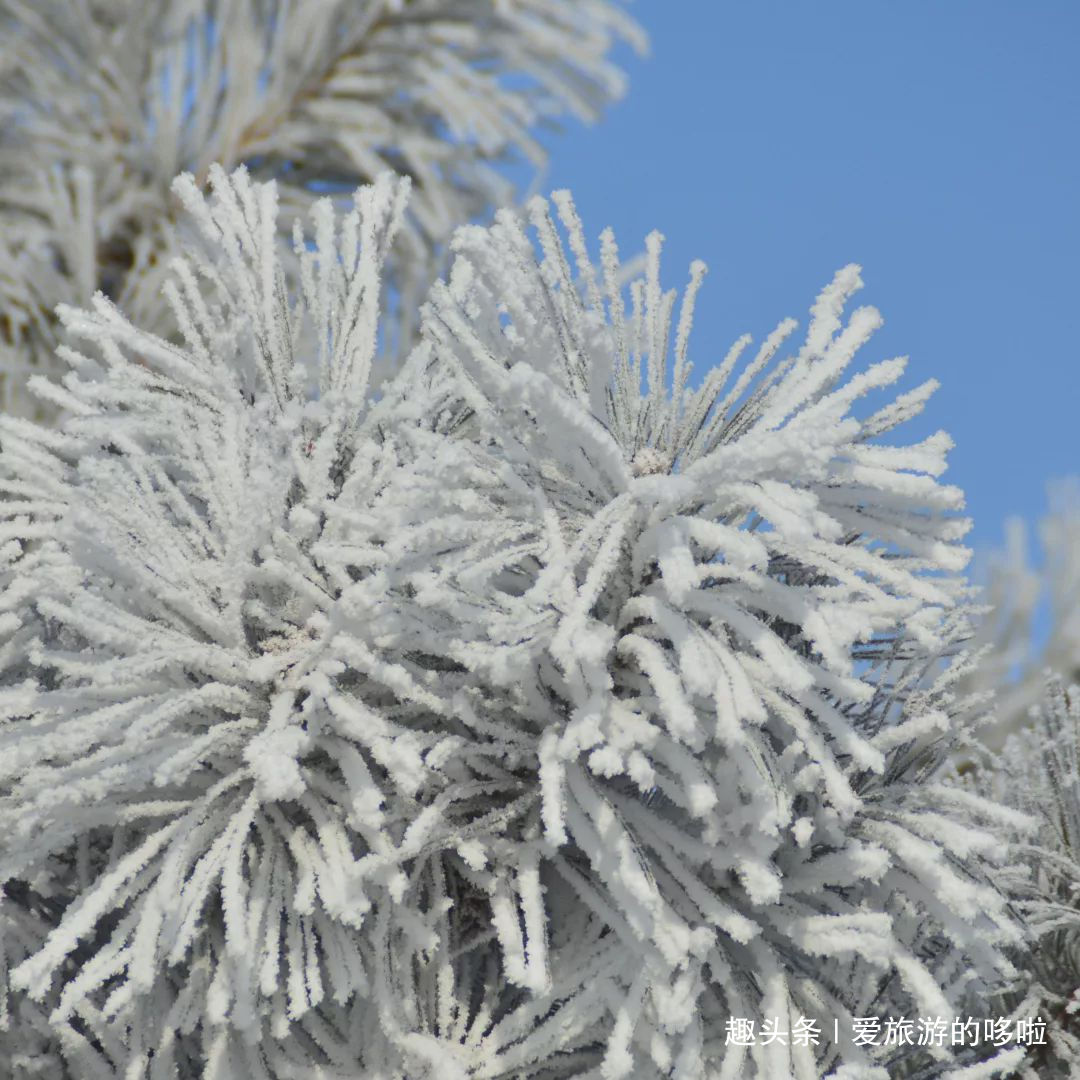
(103, 102)
(529, 715)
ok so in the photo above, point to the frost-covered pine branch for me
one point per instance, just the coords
(508, 721)
(244, 785)
(741, 597)
(102, 103)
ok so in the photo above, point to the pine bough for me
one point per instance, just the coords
(527, 717)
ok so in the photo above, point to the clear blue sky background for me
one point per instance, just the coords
(934, 143)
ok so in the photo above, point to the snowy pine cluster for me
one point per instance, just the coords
(513, 721)
(404, 673)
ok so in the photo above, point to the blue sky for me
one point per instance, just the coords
(934, 143)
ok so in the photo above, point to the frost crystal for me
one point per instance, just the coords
(511, 720)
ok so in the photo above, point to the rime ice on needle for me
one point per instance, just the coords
(513, 722)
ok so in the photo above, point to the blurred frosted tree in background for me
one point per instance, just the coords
(1033, 625)
(103, 102)
(1028, 758)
